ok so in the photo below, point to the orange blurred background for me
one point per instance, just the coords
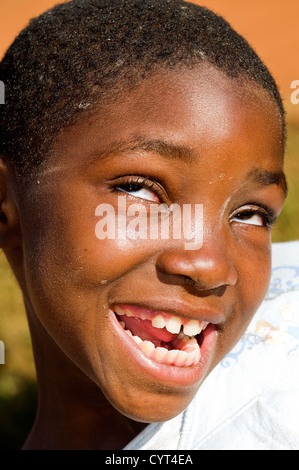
(271, 27)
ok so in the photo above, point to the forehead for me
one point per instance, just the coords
(192, 108)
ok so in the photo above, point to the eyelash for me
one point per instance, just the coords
(144, 183)
(264, 211)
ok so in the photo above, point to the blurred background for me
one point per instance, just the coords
(272, 28)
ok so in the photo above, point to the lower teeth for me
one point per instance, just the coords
(187, 355)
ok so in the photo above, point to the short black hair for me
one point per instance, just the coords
(75, 56)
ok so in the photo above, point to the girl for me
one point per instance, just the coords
(158, 103)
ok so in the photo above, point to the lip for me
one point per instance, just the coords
(180, 309)
(165, 374)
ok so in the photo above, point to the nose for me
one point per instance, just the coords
(209, 267)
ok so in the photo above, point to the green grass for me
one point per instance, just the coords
(17, 375)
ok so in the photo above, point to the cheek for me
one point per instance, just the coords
(63, 245)
(253, 282)
(69, 272)
(253, 279)
(255, 276)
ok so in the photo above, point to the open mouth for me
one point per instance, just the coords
(162, 337)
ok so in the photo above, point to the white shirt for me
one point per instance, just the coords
(250, 401)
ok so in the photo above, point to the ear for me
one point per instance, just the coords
(9, 216)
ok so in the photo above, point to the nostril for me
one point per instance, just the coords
(3, 218)
(196, 287)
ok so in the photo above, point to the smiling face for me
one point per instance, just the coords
(183, 137)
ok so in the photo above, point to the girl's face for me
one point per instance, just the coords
(183, 137)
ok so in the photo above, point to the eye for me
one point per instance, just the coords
(138, 191)
(250, 218)
(142, 188)
(259, 217)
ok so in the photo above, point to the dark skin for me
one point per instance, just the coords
(224, 150)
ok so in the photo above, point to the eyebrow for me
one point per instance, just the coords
(175, 151)
(164, 148)
(266, 178)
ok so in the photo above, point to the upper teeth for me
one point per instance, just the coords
(194, 327)
(172, 323)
